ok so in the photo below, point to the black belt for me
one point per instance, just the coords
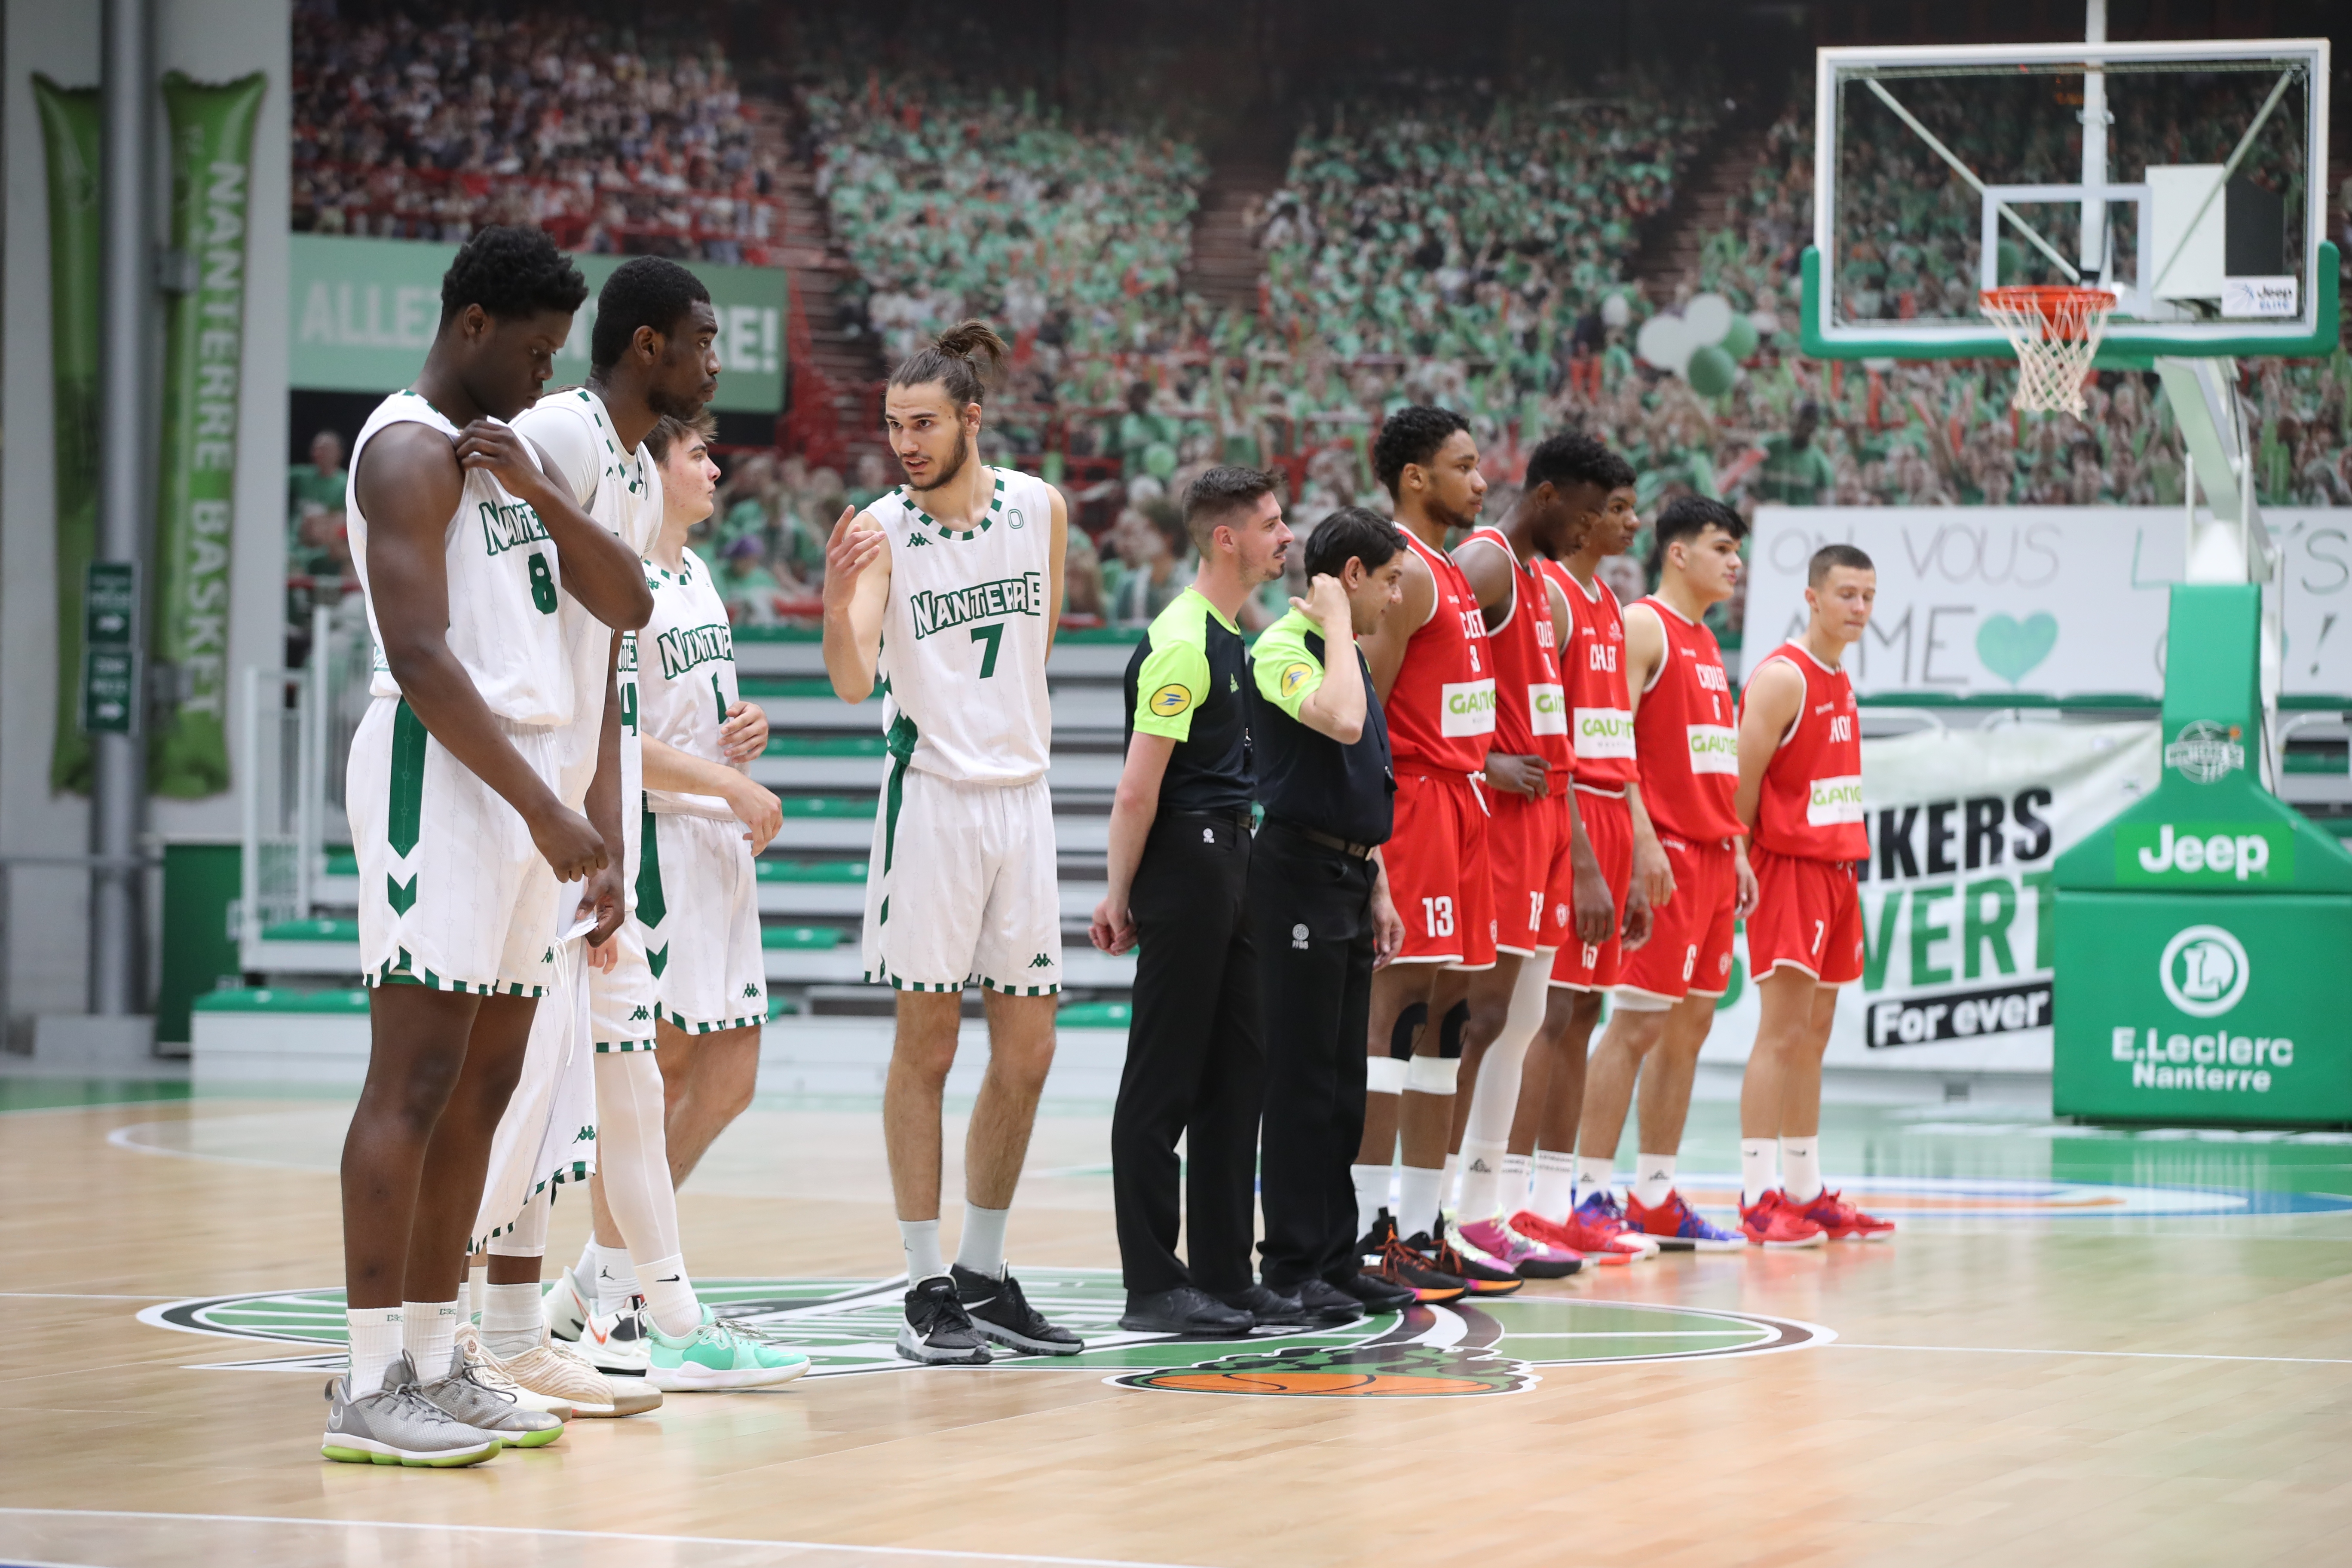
(1328, 840)
(1242, 819)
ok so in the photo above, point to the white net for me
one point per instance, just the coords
(2057, 332)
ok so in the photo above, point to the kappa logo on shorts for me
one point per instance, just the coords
(750, 992)
(639, 1015)
(1040, 961)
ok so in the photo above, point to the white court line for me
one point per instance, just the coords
(2133, 1355)
(1642, 1334)
(73, 1513)
(74, 1296)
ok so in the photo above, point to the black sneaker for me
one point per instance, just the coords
(1000, 1312)
(938, 1331)
(1377, 1294)
(1320, 1301)
(1391, 1258)
(1480, 1278)
(1270, 1307)
(1187, 1310)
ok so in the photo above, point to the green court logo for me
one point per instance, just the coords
(2204, 971)
(1356, 1372)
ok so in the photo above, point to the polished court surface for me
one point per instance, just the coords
(2084, 1347)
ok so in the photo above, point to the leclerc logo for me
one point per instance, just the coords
(2204, 971)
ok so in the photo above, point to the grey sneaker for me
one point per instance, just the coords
(463, 1395)
(397, 1425)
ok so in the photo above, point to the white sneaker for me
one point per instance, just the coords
(498, 1375)
(614, 1343)
(556, 1364)
(567, 1307)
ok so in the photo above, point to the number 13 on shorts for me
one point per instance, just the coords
(1438, 913)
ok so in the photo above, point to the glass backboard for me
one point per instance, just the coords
(2189, 179)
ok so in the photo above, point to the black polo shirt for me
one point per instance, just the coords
(1306, 778)
(1185, 682)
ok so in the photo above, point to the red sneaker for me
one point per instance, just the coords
(1841, 1221)
(1773, 1221)
(1600, 1245)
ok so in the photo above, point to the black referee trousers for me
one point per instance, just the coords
(1194, 1067)
(1311, 906)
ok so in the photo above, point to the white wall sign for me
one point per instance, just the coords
(2059, 601)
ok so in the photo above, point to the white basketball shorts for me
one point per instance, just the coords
(620, 1002)
(699, 902)
(962, 887)
(453, 892)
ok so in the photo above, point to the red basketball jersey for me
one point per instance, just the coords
(1441, 711)
(1530, 708)
(1688, 734)
(1812, 802)
(1592, 669)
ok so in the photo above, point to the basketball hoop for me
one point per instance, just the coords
(2056, 333)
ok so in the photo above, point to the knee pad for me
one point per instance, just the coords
(1433, 1075)
(1626, 999)
(1408, 1024)
(1385, 1075)
(1449, 1033)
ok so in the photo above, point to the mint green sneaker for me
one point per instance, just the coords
(716, 1356)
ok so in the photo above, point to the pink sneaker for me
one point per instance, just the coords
(1841, 1221)
(1505, 1248)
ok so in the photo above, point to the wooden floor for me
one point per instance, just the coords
(2081, 1350)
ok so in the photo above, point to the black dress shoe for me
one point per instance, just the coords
(1269, 1306)
(1377, 1294)
(1187, 1310)
(1324, 1302)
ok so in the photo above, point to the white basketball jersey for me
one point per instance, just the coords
(965, 634)
(686, 676)
(623, 492)
(504, 627)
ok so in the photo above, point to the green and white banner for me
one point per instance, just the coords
(363, 313)
(211, 129)
(1956, 910)
(69, 145)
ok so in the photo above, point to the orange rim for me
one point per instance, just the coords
(2058, 306)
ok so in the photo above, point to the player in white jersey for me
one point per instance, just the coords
(651, 358)
(949, 589)
(460, 543)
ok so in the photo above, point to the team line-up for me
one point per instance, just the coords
(1379, 868)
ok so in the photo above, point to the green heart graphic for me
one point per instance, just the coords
(2010, 647)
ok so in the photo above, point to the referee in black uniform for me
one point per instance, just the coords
(1319, 906)
(1180, 858)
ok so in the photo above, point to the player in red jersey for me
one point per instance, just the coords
(1801, 797)
(1548, 887)
(1664, 1000)
(1608, 797)
(1435, 675)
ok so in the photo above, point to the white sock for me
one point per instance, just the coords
(1800, 1169)
(981, 1248)
(429, 1333)
(1653, 1179)
(1758, 1168)
(478, 1284)
(585, 1270)
(1593, 1174)
(1449, 1186)
(1555, 1185)
(1416, 1210)
(511, 1320)
(1372, 1183)
(920, 1238)
(1482, 1180)
(375, 1339)
(669, 1296)
(615, 1279)
(1514, 1196)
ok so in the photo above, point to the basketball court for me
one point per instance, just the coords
(2085, 1344)
(2115, 1324)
